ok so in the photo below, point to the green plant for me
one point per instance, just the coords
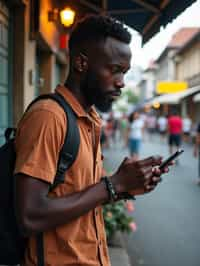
(117, 219)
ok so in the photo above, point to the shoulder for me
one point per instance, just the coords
(45, 115)
(47, 106)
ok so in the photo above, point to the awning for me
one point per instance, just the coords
(142, 15)
(196, 98)
(174, 98)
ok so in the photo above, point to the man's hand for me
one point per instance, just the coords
(137, 177)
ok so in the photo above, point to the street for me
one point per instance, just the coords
(168, 218)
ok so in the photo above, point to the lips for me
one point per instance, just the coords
(114, 95)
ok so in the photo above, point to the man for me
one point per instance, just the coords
(174, 130)
(70, 216)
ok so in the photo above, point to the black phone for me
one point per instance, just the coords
(170, 158)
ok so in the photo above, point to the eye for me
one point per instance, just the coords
(116, 69)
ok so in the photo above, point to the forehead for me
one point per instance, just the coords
(113, 51)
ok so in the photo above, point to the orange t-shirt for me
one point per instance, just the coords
(39, 139)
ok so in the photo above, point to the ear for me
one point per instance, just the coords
(81, 63)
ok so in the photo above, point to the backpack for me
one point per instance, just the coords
(12, 243)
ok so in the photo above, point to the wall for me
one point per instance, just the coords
(189, 64)
(23, 60)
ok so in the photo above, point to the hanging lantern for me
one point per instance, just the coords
(67, 16)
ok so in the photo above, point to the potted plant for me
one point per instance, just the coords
(118, 219)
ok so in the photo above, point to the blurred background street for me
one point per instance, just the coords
(168, 218)
(161, 96)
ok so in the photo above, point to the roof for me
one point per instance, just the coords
(195, 38)
(144, 16)
(180, 39)
(183, 36)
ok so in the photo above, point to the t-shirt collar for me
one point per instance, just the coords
(76, 106)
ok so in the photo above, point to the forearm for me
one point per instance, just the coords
(49, 212)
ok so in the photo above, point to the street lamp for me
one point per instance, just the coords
(66, 16)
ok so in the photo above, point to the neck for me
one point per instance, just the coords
(73, 85)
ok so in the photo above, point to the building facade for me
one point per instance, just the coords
(188, 69)
(31, 60)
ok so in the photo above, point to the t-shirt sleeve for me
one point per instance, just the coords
(38, 142)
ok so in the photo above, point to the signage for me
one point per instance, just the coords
(163, 87)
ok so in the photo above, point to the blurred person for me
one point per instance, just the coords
(103, 138)
(115, 131)
(197, 150)
(135, 134)
(175, 131)
(193, 132)
(123, 128)
(187, 125)
(162, 126)
(70, 216)
(109, 132)
(151, 125)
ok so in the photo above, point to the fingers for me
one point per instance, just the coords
(152, 183)
(147, 172)
(151, 161)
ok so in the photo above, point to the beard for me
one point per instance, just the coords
(94, 93)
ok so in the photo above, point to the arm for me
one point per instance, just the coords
(36, 211)
(37, 155)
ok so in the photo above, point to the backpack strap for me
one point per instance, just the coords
(67, 155)
(71, 144)
(10, 133)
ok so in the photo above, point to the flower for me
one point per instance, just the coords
(133, 226)
(129, 206)
(109, 214)
(116, 218)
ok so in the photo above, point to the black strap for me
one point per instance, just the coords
(71, 144)
(40, 249)
(67, 155)
(9, 133)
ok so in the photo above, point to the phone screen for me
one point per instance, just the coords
(171, 158)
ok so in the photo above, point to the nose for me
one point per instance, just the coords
(119, 82)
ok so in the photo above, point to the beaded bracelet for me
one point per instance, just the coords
(113, 196)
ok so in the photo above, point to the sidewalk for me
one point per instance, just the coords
(117, 252)
(118, 256)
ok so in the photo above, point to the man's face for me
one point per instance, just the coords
(107, 64)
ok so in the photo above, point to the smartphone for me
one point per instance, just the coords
(169, 159)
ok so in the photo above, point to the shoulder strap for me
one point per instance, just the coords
(71, 144)
(67, 156)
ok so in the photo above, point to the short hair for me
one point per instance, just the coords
(97, 28)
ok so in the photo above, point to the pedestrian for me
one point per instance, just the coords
(151, 125)
(123, 129)
(135, 134)
(109, 132)
(197, 150)
(70, 216)
(174, 130)
(162, 126)
(187, 126)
